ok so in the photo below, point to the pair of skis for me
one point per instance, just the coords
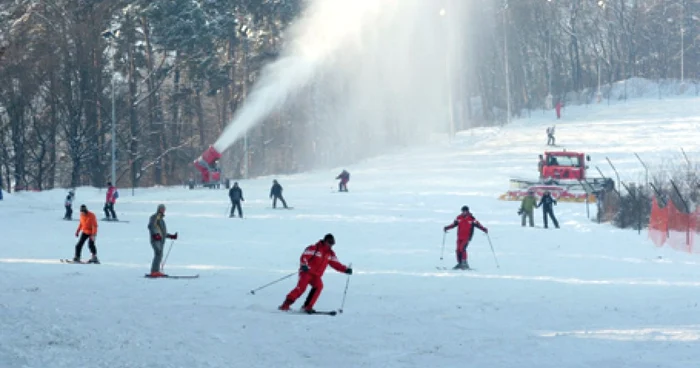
(441, 268)
(320, 313)
(70, 261)
(148, 276)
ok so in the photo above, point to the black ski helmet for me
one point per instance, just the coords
(465, 208)
(329, 239)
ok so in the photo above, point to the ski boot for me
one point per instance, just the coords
(94, 260)
(308, 310)
(285, 306)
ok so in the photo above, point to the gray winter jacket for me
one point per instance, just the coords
(156, 225)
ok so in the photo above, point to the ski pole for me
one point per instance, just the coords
(492, 251)
(273, 282)
(345, 293)
(162, 265)
(442, 250)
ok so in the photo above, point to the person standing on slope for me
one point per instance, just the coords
(344, 179)
(314, 261)
(111, 198)
(158, 233)
(88, 227)
(527, 209)
(69, 205)
(236, 196)
(276, 193)
(547, 202)
(465, 224)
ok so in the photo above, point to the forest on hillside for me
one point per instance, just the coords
(169, 75)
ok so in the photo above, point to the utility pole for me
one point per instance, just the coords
(505, 51)
(108, 35)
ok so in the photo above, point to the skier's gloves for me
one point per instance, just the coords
(77, 232)
(445, 228)
(486, 230)
(304, 268)
(348, 271)
(157, 237)
(172, 236)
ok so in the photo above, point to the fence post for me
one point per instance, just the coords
(687, 210)
(615, 170)
(646, 169)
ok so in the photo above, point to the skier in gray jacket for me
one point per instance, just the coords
(158, 233)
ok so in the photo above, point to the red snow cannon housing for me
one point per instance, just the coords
(206, 164)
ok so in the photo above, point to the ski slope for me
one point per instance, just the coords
(581, 296)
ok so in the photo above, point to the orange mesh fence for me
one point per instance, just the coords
(670, 226)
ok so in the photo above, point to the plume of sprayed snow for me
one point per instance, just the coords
(363, 75)
(324, 28)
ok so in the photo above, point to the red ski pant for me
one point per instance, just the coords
(306, 279)
(461, 250)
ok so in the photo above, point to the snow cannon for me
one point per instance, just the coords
(206, 163)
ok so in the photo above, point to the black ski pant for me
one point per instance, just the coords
(236, 204)
(550, 140)
(81, 242)
(158, 246)
(109, 210)
(69, 213)
(548, 212)
(274, 201)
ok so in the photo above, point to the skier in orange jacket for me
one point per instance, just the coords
(88, 227)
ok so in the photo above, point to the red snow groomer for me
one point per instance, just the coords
(206, 164)
(563, 174)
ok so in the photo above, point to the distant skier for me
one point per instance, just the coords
(547, 202)
(236, 196)
(344, 179)
(527, 209)
(276, 193)
(550, 136)
(557, 108)
(314, 261)
(88, 227)
(110, 199)
(158, 233)
(465, 224)
(69, 205)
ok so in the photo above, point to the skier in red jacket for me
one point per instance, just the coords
(110, 199)
(314, 261)
(465, 224)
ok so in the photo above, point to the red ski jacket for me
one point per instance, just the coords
(465, 226)
(318, 257)
(110, 194)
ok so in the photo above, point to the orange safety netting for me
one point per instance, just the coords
(670, 226)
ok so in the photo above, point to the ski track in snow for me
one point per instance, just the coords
(581, 296)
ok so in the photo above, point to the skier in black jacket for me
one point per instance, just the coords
(236, 195)
(276, 192)
(547, 202)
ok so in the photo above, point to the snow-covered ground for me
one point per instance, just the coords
(582, 296)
